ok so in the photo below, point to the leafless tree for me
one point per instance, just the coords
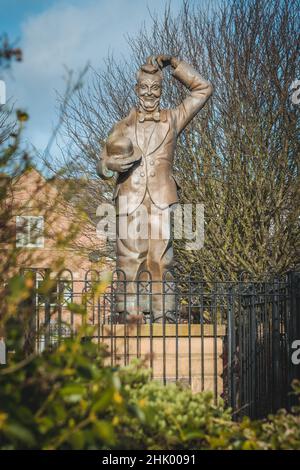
(8, 53)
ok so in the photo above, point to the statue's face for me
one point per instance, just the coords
(149, 91)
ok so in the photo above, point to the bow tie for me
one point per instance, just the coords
(149, 116)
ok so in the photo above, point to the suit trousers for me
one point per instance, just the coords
(144, 245)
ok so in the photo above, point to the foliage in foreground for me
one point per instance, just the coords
(175, 418)
(68, 399)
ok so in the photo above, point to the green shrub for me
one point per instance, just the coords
(175, 418)
(68, 399)
(59, 400)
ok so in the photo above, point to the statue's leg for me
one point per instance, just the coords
(131, 258)
(160, 260)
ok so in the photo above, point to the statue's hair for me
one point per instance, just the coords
(149, 69)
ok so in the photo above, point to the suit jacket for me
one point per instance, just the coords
(154, 170)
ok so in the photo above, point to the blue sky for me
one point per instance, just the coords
(15, 12)
(54, 34)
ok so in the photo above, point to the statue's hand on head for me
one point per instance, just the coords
(164, 60)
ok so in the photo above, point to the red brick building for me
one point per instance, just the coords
(48, 231)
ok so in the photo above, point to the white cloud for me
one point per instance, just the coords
(68, 34)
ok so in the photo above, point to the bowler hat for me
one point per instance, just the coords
(120, 145)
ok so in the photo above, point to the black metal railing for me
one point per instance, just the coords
(233, 338)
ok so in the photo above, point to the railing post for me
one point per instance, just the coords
(47, 325)
(276, 382)
(2, 352)
(29, 314)
(294, 330)
(253, 352)
(60, 308)
(231, 351)
(294, 278)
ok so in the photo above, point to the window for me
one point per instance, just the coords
(29, 231)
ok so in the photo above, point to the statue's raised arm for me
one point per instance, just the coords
(200, 89)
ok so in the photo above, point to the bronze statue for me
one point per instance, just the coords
(141, 150)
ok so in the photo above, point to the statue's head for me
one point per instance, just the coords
(149, 87)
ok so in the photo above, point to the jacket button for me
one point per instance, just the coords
(151, 162)
(152, 173)
(142, 174)
(142, 163)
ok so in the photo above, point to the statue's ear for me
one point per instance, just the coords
(136, 88)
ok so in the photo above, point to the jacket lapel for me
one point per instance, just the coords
(131, 126)
(138, 135)
(160, 133)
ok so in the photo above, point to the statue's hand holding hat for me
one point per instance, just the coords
(121, 154)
